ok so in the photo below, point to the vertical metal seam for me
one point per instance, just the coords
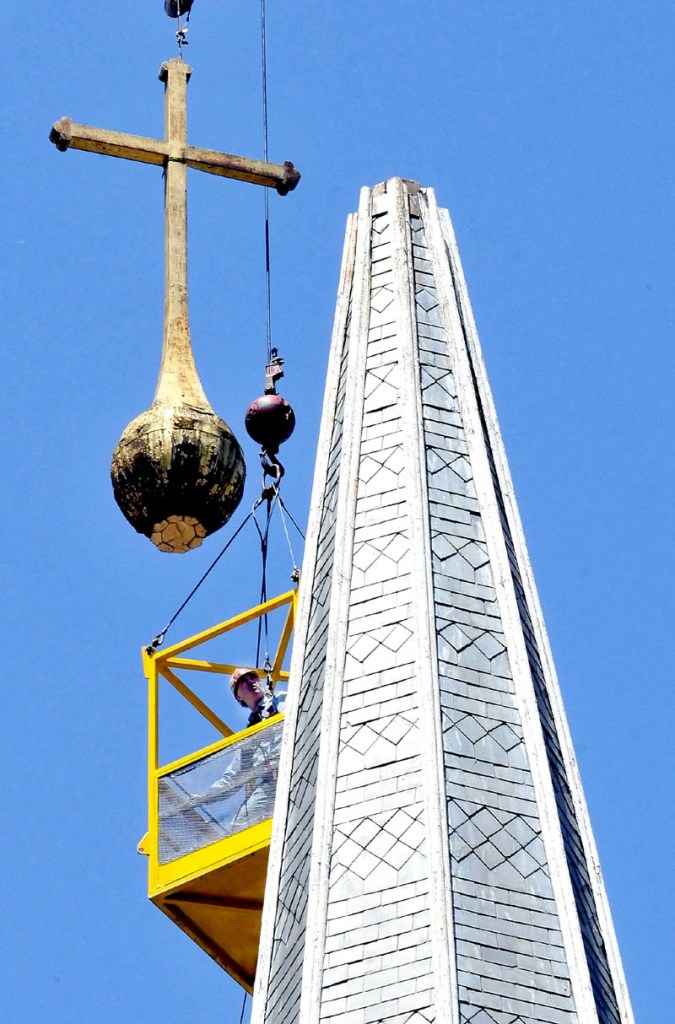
(322, 838)
(263, 974)
(543, 644)
(520, 671)
(431, 752)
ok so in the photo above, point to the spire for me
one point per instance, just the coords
(432, 859)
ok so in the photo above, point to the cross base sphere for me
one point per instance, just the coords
(178, 475)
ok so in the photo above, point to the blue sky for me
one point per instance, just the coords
(546, 128)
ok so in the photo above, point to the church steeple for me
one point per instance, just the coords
(432, 858)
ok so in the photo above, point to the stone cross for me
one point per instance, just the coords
(175, 155)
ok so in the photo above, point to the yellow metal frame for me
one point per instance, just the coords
(165, 664)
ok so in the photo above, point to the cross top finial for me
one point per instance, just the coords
(178, 471)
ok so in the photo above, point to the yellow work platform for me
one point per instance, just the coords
(210, 811)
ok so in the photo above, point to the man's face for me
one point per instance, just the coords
(250, 690)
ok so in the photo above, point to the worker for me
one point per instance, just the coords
(250, 691)
(253, 769)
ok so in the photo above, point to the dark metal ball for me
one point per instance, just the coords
(270, 421)
(174, 8)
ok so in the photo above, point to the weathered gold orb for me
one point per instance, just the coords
(178, 474)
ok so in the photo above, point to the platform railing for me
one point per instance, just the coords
(214, 804)
(219, 795)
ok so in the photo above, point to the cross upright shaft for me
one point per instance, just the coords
(175, 155)
(177, 359)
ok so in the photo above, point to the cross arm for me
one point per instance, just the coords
(283, 177)
(66, 134)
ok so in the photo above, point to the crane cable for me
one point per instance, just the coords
(270, 493)
(273, 497)
(158, 640)
(268, 290)
(182, 30)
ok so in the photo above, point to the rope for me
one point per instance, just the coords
(296, 571)
(159, 639)
(268, 290)
(291, 518)
(271, 496)
(243, 1007)
(182, 31)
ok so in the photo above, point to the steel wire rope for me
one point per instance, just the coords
(271, 495)
(181, 32)
(268, 288)
(285, 508)
(288, 540)
(158, 640)
(263, 625)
